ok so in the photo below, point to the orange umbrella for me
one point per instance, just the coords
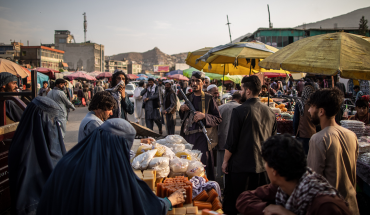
(29, 74)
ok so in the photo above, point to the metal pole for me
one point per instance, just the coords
(228, 23)
(223, 81)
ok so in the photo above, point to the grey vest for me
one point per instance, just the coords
(90, 116)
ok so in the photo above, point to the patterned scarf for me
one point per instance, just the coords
(309, 186)
(306, 94)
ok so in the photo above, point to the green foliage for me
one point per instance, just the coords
(363, 29)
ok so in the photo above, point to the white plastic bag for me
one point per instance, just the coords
(162, 172)
(189, 146)
(179, 164)
(162, 141)
(142, 161)
(168, 153)
(176, 139)
(195, 168)
(159, 162)
(176, 147)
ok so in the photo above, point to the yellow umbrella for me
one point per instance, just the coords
(325, 54)
(240, 52)
(217, 68)
(13, 68)
(192, 56)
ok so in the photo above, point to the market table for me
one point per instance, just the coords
(285, 126)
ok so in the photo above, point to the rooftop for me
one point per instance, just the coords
(42, 47)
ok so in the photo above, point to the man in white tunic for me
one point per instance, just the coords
(139, 112)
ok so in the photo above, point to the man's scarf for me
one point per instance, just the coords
(309, 186)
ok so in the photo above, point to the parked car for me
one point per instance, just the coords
(130, 88)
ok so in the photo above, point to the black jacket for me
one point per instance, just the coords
(251, 124)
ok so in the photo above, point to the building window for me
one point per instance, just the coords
(285, 41)
(62, 41)
(274, 41)
(263, 40)
(268, 41)
(279, 41)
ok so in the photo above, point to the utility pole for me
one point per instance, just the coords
(85, 25)
(228, 24)
(268, 9)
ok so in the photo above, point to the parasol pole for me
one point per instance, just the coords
(223, 81)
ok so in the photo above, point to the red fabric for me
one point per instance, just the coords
(132, 76)
(179, 77)
(83, 102)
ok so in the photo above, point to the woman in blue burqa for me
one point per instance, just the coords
(95, 177)
(36, 148)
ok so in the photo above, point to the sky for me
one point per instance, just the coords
(172, 26)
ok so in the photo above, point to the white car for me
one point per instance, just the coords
(130, 88)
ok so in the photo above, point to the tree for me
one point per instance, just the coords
(363, 29)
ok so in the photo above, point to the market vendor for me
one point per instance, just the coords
(96, 177)
(362, 112)
(207, 112)
(263, 92)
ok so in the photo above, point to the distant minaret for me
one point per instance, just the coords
(85, 25)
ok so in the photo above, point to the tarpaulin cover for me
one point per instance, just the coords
(41, 78)
(96, 177)
(36, 148)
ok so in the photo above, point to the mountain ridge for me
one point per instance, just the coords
(150, 58)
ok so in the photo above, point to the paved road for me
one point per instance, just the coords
(75, 118)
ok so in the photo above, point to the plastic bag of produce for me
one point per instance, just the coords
(176, 139)
(195, 168)
(189, 146)
(160, 149)
(142, 160)
(176, 147)
(184, 155)
(162, 141)
(143, 148)
(179, 164)
(162, 172)
(159, 162)
(168, 153)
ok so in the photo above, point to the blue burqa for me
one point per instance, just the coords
(95, 177)
(36, 148)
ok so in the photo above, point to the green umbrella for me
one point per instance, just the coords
(234, 78)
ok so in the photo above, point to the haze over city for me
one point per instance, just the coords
(172, 26)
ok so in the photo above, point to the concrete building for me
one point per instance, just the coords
(42, 56)
(134, 68)
(87, 56)
(181, 66)
(10, 51)
(281, 37)
(112, 65)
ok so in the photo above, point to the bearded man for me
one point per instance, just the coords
(8, 83)
(251, 124)
(101, 108)
(207, 112)
(333, 150)
(57, 94)
(169, 106)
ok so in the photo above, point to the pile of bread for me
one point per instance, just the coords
(281, 107)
